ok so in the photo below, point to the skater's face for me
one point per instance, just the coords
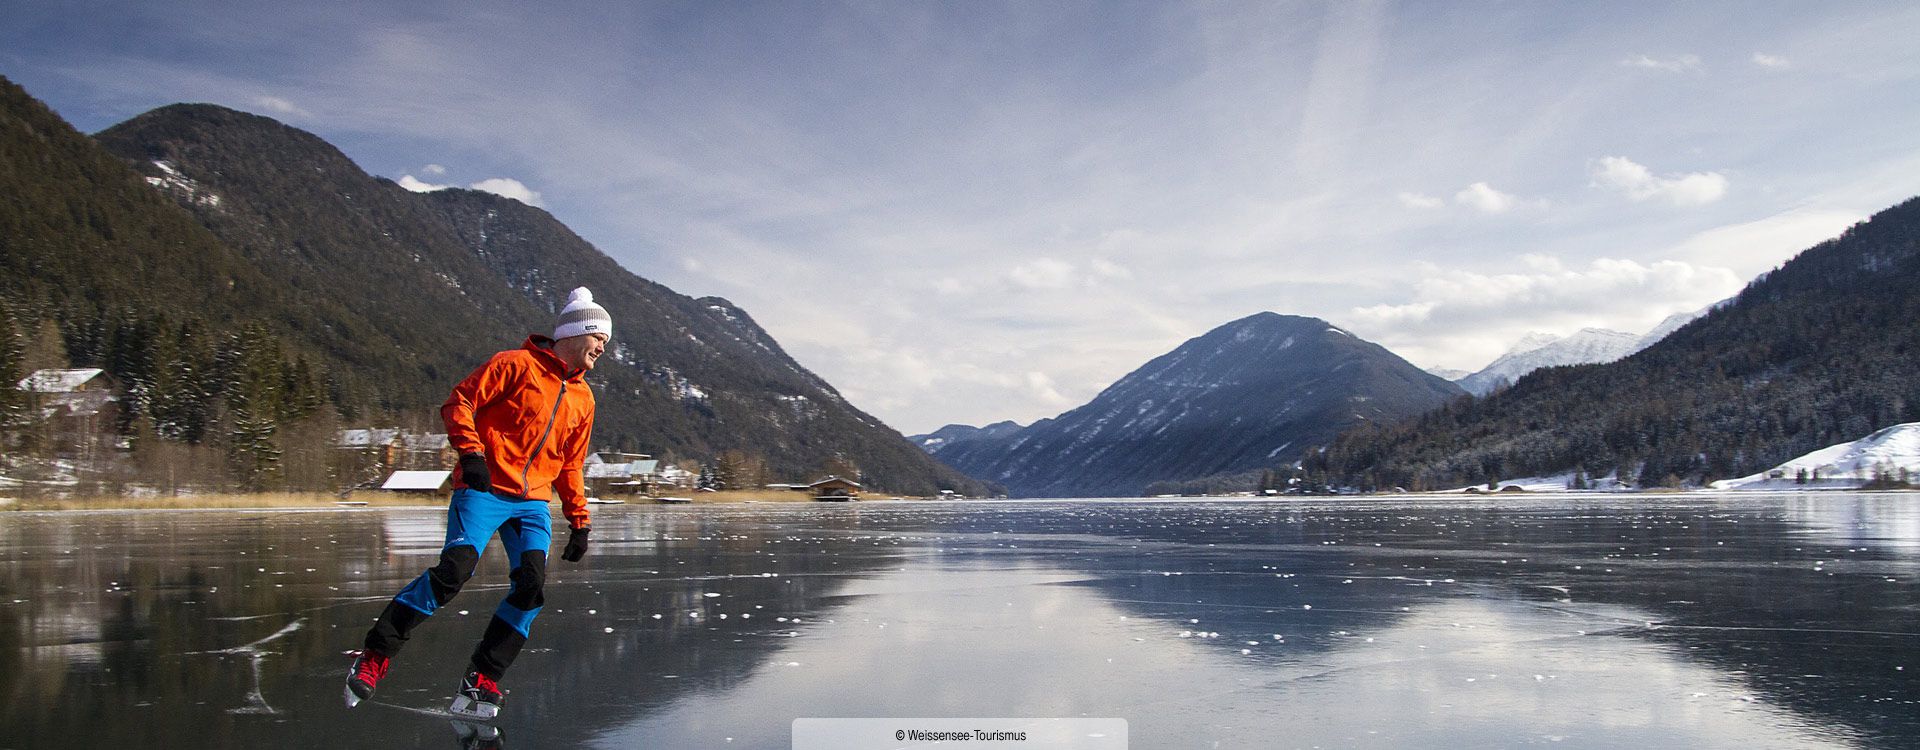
(580, 352)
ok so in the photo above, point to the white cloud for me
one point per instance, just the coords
(1679, 64)
(508, 188)
(1757, 246)
(1484, 198)
(1043, 273)
(434, 169)
(1765, 60)
(948, 285)
(1638, 183)
(419, 186)
(1042, 387)
(1420, 201)
(278, 106)
(1463, 318)
(501, 186)
(1109, 269)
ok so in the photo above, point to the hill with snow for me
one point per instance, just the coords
(1844, 466)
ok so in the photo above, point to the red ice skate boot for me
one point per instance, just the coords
(364, 676)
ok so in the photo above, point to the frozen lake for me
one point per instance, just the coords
(1617, 622)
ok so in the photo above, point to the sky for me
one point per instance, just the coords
(967, 212)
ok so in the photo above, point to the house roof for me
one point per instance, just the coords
(58, 381)
(621, 470)
(424, 441)
(835, 480)
(615, 457)
(416, 480)
(385, 436)
(367, 438)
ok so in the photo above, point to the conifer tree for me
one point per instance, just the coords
(12, 358)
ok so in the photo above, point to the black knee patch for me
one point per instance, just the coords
(497, 649)
(528, 578)
(456, 566)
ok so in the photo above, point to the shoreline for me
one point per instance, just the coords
(375, 499)
(288, 501)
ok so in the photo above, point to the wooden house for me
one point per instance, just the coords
(79, 409)
(612, 473)
(835, 489)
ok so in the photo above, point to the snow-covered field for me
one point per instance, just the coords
(1843, 466)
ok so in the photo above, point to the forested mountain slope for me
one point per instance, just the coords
(1823, 350)
(371, 299)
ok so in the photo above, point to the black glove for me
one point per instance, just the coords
(473, 472)
(576, 545)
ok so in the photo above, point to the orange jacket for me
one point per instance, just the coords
(532, 419)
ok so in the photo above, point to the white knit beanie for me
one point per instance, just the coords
(581, 316)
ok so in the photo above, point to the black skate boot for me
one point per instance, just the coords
(479, 697)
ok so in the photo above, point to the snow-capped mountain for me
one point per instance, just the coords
(1845, 466)
(1539, 350)
(1672, 323)
(1588, 346)
(1251, 394)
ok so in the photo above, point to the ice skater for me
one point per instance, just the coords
(521, 423)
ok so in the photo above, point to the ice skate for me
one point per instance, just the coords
(479, 698)
(368, 667)
(474, 736)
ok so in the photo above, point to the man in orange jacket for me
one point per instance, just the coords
(522, 423)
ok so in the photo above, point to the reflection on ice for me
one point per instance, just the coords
(1689, 621)
(969, 641)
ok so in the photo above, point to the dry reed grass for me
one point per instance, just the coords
(277, 500)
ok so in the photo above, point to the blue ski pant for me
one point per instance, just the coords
(525, 528)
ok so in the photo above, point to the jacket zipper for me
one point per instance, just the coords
(525, 489)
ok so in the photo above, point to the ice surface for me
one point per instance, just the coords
(1644, 622)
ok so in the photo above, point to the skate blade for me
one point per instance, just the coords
(353, 699)
(473, 709)
(467, 730)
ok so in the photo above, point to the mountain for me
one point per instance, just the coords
(1247, 395)
(955, 434)
(79, 227)
(383, 297)
(1547, 350)
(1588, 346)
(1668, 325)
(1447, 374)
(1817, 352)
(1892, 453)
